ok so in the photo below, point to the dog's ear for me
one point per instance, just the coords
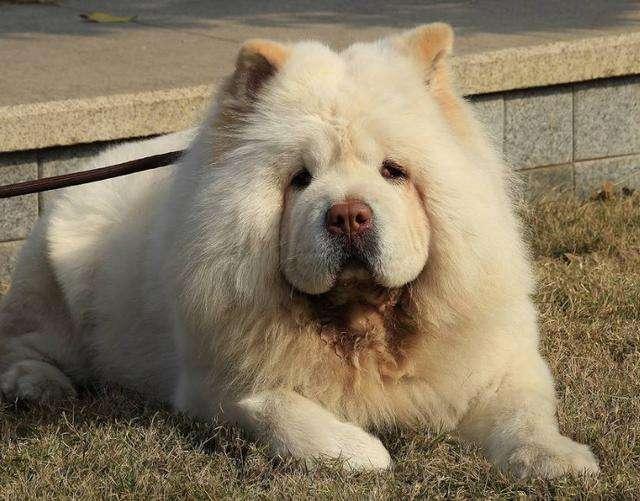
(257, 62)
(429, 46)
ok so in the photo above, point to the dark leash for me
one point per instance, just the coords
(89, 176)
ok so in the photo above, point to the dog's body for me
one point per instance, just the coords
(336, 251)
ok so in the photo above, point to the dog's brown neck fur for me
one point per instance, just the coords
(367, 324)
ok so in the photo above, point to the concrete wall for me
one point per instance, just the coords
(569, 137)
(564, 138)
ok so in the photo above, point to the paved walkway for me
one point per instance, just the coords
(48, 54)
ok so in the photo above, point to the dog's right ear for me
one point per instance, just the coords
(429, 46)
(257, 62)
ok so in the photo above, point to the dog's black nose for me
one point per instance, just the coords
(351, 218)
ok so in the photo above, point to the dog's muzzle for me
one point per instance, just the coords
(351, 228)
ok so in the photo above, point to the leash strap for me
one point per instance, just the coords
(89, 176)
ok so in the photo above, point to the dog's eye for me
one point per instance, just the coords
(302, 179)
(391, 170)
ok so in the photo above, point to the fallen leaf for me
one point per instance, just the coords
(606, 192)
(24, 2)
(103, 17)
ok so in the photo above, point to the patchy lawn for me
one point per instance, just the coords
(588, 265)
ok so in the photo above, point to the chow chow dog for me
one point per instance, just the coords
(336, 253)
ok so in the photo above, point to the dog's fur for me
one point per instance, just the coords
(214, 284)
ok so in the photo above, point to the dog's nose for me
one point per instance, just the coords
(351, 218)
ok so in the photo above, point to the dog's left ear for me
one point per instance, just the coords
(429, 46)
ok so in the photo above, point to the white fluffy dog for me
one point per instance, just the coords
(336, 252)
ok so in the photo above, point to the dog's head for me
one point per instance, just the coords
(317, 166)
(351, 204)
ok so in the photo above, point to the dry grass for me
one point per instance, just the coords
(588, 263)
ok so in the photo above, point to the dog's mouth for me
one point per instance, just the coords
(355, 283)
(342, 268)
(354, 269)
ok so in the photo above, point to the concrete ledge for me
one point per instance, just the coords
(74, 121)
(549, 64)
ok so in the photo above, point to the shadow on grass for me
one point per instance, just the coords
(116, 407)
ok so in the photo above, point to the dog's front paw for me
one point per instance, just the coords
(357, 449)
(35, 381)
(295, 426)
(550, 458)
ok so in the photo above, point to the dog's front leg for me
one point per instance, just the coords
(290, 424)
(296, 426)
(515, 423)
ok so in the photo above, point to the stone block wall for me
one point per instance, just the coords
(569, 138)
(561, 139)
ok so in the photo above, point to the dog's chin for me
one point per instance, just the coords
(352, 272)
(352, 279)
(354, 286)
